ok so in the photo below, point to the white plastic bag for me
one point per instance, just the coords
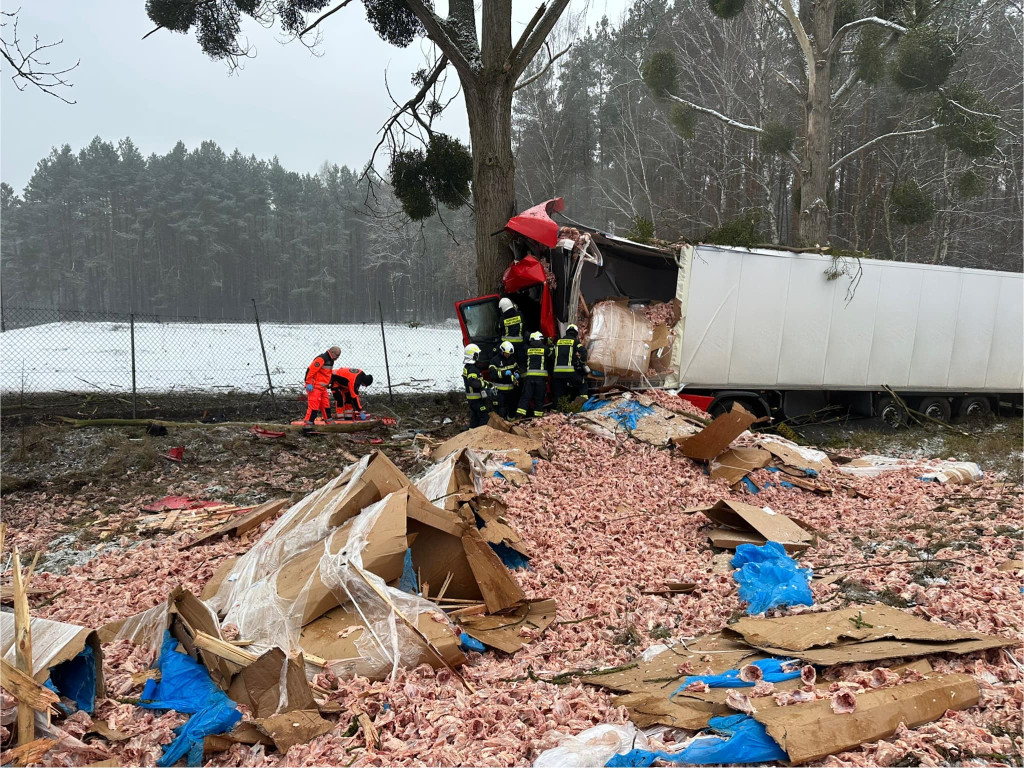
(593, 747)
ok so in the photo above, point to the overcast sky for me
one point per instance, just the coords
(286, 102)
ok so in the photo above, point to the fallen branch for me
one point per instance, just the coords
(354, 426)
(915, 414)
(856, 566)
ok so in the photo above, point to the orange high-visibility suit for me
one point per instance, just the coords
(318, 375)
(345, 384)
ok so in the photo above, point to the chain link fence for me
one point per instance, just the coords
(53, 350)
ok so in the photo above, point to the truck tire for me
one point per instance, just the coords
(936, 407)
(754, 405)
(890, 413)
(973, 406)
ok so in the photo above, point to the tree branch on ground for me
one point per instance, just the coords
(29, 69)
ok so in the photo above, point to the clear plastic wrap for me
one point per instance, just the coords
(620, 340)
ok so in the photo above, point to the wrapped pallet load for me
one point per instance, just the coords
(620, 340)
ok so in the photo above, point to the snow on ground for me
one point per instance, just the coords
(220, 356)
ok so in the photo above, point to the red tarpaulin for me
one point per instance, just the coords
(526, 273)
(536, 224)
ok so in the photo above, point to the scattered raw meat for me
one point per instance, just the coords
(592, 560)
(808, 675)
(844, 702)
(698, 686)
(740, 702)
(750, 673)
(763, 688)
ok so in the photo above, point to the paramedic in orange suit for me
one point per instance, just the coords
(318, 376)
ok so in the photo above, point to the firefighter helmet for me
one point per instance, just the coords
(505, 305)
(471, 353)
(572, 330)
(536, 336)
(507, 347)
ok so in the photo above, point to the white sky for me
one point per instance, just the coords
(287, 102)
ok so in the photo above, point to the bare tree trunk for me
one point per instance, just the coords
(814, 164)
(494, 197)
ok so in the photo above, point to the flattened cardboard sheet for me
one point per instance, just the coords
(716, 437)
(861, 633)
(736, 463)
(812, 730)
(502, 630)
(746, 524)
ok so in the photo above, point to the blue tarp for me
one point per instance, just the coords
(746, 741)
(768, 578)
(185, 686)
(75, 679)
(625, 412)
(772, 669)
(471, 644)
(510, 558)
(408, 581)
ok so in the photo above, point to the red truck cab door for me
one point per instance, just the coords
(480, 321)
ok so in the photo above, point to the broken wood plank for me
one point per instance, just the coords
(22, 650)
(224, 650)
(26, 690)
(370, 733)
(30, 752)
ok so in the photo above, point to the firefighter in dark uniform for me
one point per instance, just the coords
(476, 387)
(568, 375)
(512, 329)
(505, 375)
(535, 376)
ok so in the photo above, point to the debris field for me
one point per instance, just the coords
(626, 611)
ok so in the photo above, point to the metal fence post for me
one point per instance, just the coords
(266, 365)
(384, 340)
(131, 326)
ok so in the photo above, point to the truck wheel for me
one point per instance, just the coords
(724, 405)
(973, 407)
(936, 407)
(891, 413)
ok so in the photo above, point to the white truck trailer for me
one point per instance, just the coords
(786, 333)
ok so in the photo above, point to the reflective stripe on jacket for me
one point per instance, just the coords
(536, 361)
(566, 355)
(473, 381)
(504, 374)
(512, 326)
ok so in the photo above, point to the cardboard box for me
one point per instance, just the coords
(741, 523)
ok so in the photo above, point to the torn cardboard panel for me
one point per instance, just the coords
(511, 630)
(496, 528)
(287, 729)
(488, 440)
(239, 525)
(736, 463)
(812, 730)
(641, 417)
(453, 480)
(670, 588)
(647, 686)
(741, 523)
(797, 457)
(858, 634)
(306, 523)
(716, 437)
(53, 642)
(259, 686)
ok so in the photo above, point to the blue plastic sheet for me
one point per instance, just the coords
(771, 668)
(185, 686)
(471, 644)
(626, 412)
(769, 578)
(641, 758)
(746, 741)
(408, 581)
(75, 679)
(510, 558)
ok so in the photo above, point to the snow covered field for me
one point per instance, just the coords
(220, 356)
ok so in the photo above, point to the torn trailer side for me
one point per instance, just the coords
(784, 333)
